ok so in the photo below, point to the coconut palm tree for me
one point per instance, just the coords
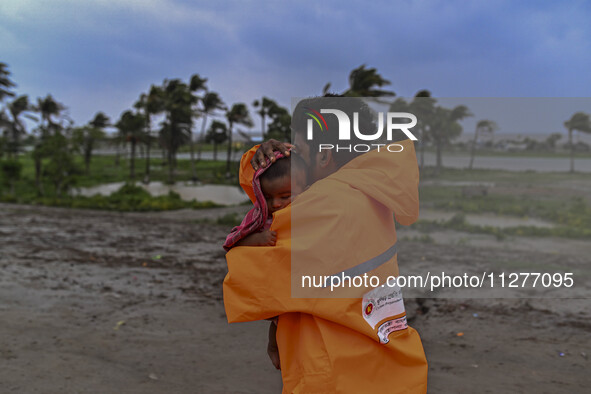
(210, 102)
(580, 122)
(238, 114)
(178, 104)
(5, 82)
(280, 124)
(483, 126)
(196, 84)
(445, 127)
(131, 127)
(19, 106)
(423, 107)
(51, 112)
(216, 134)
(365, 83)
(151, 104)
(266, 105)
(49, 108)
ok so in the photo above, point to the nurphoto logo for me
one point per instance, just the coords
(390, 119)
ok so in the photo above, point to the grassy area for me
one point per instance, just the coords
(546, 196)
(521, 179)
(458, 223)
(451, 151)
(104, 169)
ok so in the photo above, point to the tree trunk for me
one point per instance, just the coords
(170, 168)
(192, 145)
(147, 174)
(132, 160)
(200, 139)
(572, 150)
(38, 184)
(473, 149)
(87, 156)
(229, 151)
(439, 161)
(422, 155)
(117, 156)
(215, 151)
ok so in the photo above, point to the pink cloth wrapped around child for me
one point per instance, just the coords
(257, 217)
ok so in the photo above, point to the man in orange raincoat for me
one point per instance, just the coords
(335, 339)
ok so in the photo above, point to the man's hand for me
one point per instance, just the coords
(266, 151)
(272, 349)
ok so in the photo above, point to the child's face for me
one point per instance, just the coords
(279, 192)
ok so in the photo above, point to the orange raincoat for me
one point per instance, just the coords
(341, 224)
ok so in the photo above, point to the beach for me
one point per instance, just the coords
(106, 302)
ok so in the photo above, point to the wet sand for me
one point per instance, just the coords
(102, 302)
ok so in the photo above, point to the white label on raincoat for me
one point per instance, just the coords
(381, 303)
(390, 326)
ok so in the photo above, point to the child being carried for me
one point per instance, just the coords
(274, 189)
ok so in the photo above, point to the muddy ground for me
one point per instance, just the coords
(102, 302)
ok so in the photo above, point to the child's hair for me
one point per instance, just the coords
(281, 168)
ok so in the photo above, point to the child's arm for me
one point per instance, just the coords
(264, 238)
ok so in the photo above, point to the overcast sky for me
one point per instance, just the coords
(101, 54)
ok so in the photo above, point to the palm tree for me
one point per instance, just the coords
(280, 124)
(48, 108)
(445, 127)
(267, 106)
(365, 83)
(210, 102)
(19, 106)
(196, 84)
(5, 82)
(579, 121)
(423, 106)
(483, 126)
(217, 134)
(178, 104)
(131, 126)
(238, 114)
(87, 137)
(151, 104)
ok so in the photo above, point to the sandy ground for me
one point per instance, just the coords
(101, 302)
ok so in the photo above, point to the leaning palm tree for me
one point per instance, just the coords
(150, 104)
(579, 121)
(5, 82)
(238, 114)
(445, 127)
(366, 83)
(19, 106)
(49, 108)
(217, 134)
(178, 104)
(51, 111)
(196, 84)
(423, 106)
(483, 126)
(266, 106)
(210, 102)
(131, 126)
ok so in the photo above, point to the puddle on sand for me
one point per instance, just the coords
(220, 194)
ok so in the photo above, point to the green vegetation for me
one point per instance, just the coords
(546, 196)
(128, 198)
(103, 170)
